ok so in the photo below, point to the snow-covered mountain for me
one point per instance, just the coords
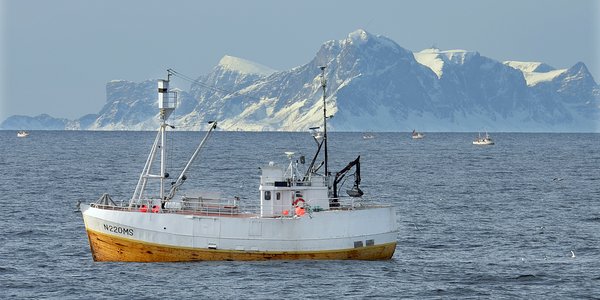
(373, 85)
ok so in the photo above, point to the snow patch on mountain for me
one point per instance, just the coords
(244, 66)
(535, 72)
(431, 59)
(358, 37)
(534, 78)
(458, 56)
(529, 66)
(435, 59)
(361, 38)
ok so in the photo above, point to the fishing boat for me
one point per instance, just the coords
(483, 141)
(417, 135)
(22, 133)
(302, 214)
(368, 136)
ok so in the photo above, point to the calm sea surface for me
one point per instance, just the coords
(475, 222)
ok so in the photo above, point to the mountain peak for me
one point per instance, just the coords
(580, 68)
(358, 36)
(581, 72)
(244, 66)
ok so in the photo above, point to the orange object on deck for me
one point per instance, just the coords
(300, 211)
(143, 208)
(155, 208)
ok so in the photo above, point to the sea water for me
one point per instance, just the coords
(520, 219)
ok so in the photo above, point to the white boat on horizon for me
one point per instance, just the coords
(22, 133)
(483, 141)
(302, 214)
(417, 135)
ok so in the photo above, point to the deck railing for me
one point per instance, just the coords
(232, 206)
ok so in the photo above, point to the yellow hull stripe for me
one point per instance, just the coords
(112, 248)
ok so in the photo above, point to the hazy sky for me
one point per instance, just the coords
(56, 56)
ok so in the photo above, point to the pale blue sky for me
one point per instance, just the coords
(57, 55)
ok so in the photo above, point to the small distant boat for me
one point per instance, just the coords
(417, 135)
(486, 140)
(22, 133)
(368, 136)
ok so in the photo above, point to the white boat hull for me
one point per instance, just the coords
(417, 135)
(122, 235)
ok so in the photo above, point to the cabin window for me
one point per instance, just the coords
(278, 196)
(267, 195)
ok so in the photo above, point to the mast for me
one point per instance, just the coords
(166, 106)
(167, 101)
(324, 85)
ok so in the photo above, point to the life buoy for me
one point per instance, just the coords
(155, 209)
(143, 208)
(300, 211)
(298, 201)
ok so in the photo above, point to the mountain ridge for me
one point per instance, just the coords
(374, 84)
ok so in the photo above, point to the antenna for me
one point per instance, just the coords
(169, 73)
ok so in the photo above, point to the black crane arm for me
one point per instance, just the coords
(340, 175)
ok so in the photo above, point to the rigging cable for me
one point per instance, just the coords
(212, 87)
(353, 175)
(170, 153)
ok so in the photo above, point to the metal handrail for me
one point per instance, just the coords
(232, 206)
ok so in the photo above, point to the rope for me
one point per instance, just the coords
(344, 181)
